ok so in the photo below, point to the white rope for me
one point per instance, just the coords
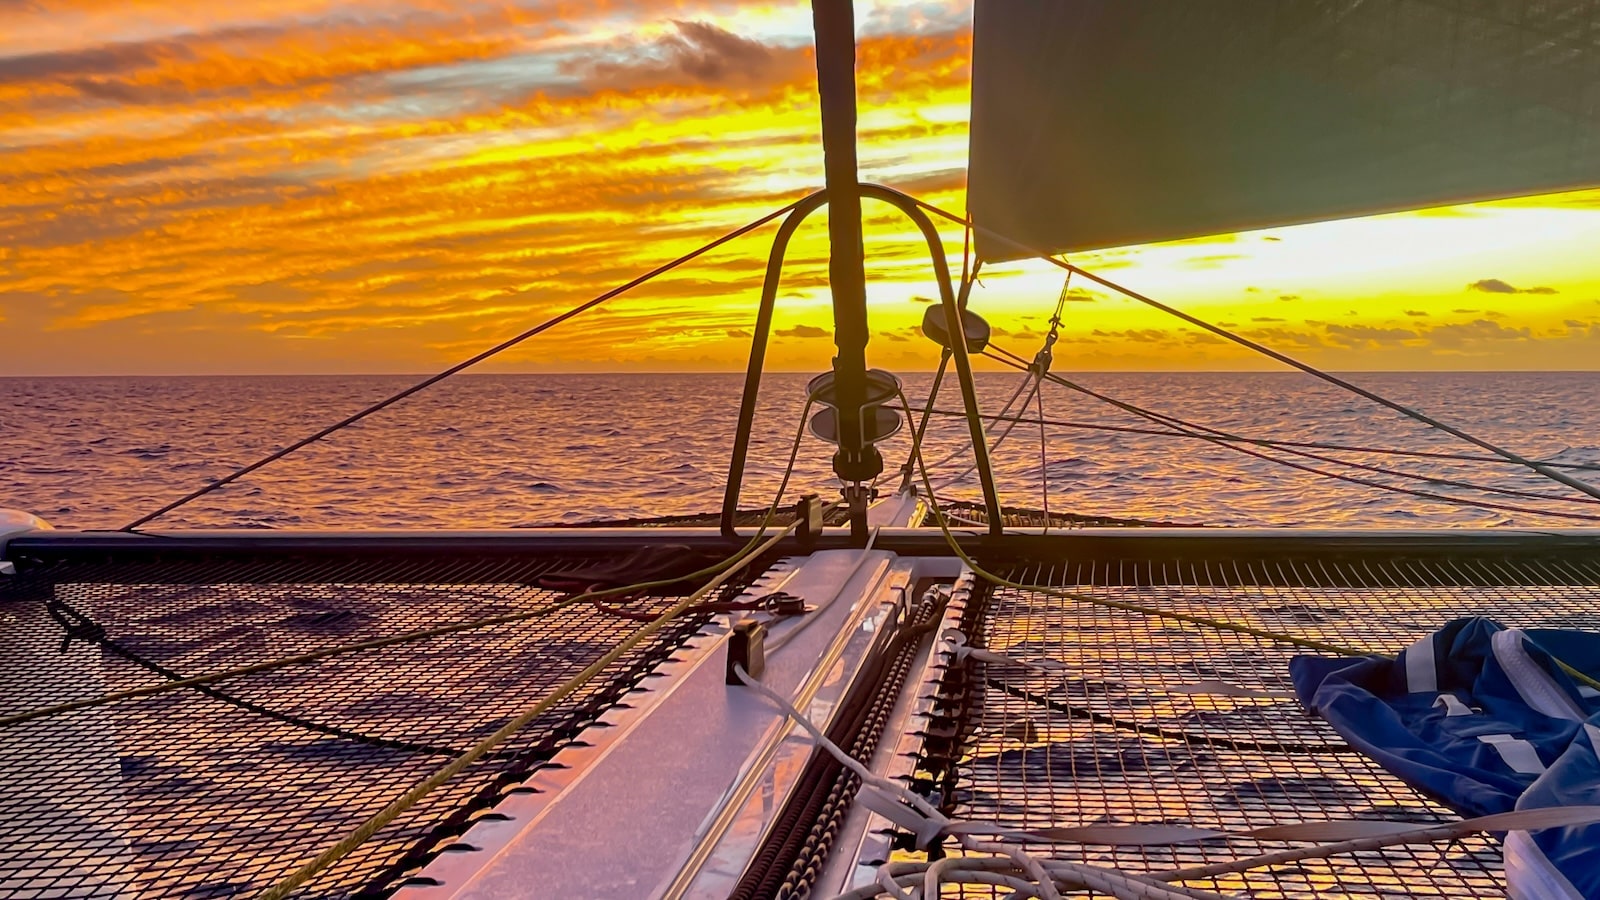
(924, 879)
(963, 519)
(1044, 878)
(876, 789)
(866, 775)
(1124, 884)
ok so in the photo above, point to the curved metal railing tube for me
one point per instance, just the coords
(758, 354)
(763, 326)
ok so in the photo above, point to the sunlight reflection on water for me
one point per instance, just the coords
(498, 451)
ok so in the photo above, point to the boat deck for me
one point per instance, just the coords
(225, 788)
(1133, 729)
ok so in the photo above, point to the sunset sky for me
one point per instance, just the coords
(264, 186)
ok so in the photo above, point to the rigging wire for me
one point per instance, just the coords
(1031, 382)
(1273, 442)
(907, 470)
(969, 275)
(1041, 368)
(590, 596)
(962, 449)
(1044, 470)
(970, 267)
(1219, 437)
(1174, 615)
(1418, 415)
(966, 253)
(722, 572)
(1183, 426)
(464, 364)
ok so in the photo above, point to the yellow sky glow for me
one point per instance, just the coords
(308, 186)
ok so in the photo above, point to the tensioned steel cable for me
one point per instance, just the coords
(468, 363)
(1031, 384)
(954, 544)
(969, 276)
(1044, 462)
(199, 682)
(1458, 501)
(1041, 362)
(1284, 358)
(1219, 437)
(1269, 442)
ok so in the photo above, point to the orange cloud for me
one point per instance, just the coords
(359, 186)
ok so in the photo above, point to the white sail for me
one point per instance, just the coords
(1099, 123)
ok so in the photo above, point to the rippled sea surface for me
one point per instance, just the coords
(519, 450)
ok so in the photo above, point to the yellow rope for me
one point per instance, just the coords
(1219, 624)
(723, 571)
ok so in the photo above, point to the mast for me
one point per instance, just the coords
(857, 460)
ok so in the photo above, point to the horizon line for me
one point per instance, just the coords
(731, 372)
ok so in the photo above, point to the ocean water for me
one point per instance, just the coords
(519, 450)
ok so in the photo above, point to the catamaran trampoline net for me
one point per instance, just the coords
(193, 794)
(1129, 731)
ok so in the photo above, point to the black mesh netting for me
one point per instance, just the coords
(1118, 735)
(203, 794)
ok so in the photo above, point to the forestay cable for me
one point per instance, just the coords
(1179, 426)
(199, 682)
(1271, 442)
(1174, 615)
(468, 363)
(1287, 360)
